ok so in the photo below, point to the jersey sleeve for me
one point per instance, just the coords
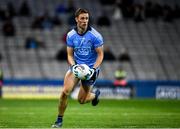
(98, 41)
(69, 41)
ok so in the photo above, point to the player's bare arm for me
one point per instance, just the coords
(70, 56)
(100, 56)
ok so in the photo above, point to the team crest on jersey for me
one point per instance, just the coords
(82, 46)
(82, 50)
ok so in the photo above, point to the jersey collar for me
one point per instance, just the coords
(88, 28)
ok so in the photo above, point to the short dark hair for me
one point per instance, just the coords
(80, 11)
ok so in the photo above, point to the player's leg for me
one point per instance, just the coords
(69, 82)
(85, 93)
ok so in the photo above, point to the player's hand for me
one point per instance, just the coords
(92, 76)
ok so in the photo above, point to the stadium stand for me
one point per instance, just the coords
(152, 45)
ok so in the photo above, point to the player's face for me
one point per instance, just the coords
(82, 20)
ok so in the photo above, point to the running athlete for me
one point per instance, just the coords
(84, 46)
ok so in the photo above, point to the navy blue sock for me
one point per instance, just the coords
(59, 119)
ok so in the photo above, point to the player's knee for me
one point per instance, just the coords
(64, 94)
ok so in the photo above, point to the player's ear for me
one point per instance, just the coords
(76, 18)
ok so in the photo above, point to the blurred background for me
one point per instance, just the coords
(141, 43)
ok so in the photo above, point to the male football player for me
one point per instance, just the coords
(84, 46)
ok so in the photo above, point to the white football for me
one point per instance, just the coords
(82, 71)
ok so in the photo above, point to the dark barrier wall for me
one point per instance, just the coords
(144, 89)
(148, 88)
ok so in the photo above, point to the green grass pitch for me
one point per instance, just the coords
(149, 113)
